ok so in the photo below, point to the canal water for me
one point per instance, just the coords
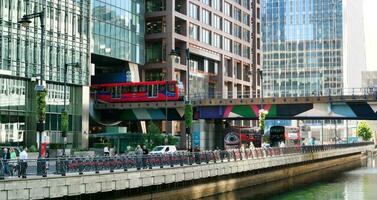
(358, 181)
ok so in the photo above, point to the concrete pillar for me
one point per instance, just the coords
(211, 134)
(322, 132)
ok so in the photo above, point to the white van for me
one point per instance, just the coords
(164, 149)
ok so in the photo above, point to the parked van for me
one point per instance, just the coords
(164, 149)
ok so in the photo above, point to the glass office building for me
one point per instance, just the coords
(302, 47)
(118, 29)
(67, 41)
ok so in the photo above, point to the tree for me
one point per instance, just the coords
(364, 131)
(154, 136)
(262, 119)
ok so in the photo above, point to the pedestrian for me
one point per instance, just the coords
(6, 158)
(106, 151)
(139, 155)
(13, 162)
(145, 155)
(23, 162)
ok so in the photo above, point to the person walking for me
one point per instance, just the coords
(12, 162)
(106, 151)
(145, 155)
(139, 155)
(23, 162)
(6, 158)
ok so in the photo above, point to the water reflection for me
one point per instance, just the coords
(357, 181)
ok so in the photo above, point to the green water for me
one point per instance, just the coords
(355, 182)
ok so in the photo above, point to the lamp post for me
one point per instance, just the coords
(40, 88)
(64, 114)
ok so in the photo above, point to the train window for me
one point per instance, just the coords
(142, 88)
(133, 89)
(162, 88)
(171, 88)
(126, 89)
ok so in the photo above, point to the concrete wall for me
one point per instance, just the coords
(53, 187)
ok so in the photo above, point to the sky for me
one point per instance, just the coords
(371, 33)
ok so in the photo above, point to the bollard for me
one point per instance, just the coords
(171, 161)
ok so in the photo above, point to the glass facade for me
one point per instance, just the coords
(67, 41)
(119, 28)
(302, 47)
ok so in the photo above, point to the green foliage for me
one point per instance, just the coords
(364, 131)
(266, 139)
(41, 105)
(153, 129)
(262, 120)
(32, 148)
(64, 123)
(153, 137)
(188, 115)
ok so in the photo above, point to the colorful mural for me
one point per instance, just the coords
(348, 110)
(352, 110)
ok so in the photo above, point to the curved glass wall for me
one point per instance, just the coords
(302, 47)
(67, 41)
(118, 29)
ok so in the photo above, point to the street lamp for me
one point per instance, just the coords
(40, 88)
(64, 114)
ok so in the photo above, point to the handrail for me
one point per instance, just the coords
(80, 165)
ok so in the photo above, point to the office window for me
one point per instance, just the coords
(228, 9)
(237, 14)
(246, 4)
(206, 17)
(246, 35)
(216, 22)
(245, 18)
(227, 26)
(207, 2)
(227, 44)
(206, 36)
(246, 52)
(216, 4)
(237, 48)
(237, 31)
(216, 42)
(194, 31)
(194, 11)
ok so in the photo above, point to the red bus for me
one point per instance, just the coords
(237, 136)
(290, 135)
(139, 91)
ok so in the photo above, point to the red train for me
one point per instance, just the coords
(139, 91)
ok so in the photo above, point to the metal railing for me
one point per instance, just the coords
(320, 93)
(82, 165)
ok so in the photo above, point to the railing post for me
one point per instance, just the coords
(161, 161)
(171, 160)
(1, 170)
(110, 160)
(124, 164)
(80, 167)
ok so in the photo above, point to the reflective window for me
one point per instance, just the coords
(206, 36)
(194, 31)
(206, 17)
(228, 9)
(216, 22)
(216, 40)
(194, 11)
